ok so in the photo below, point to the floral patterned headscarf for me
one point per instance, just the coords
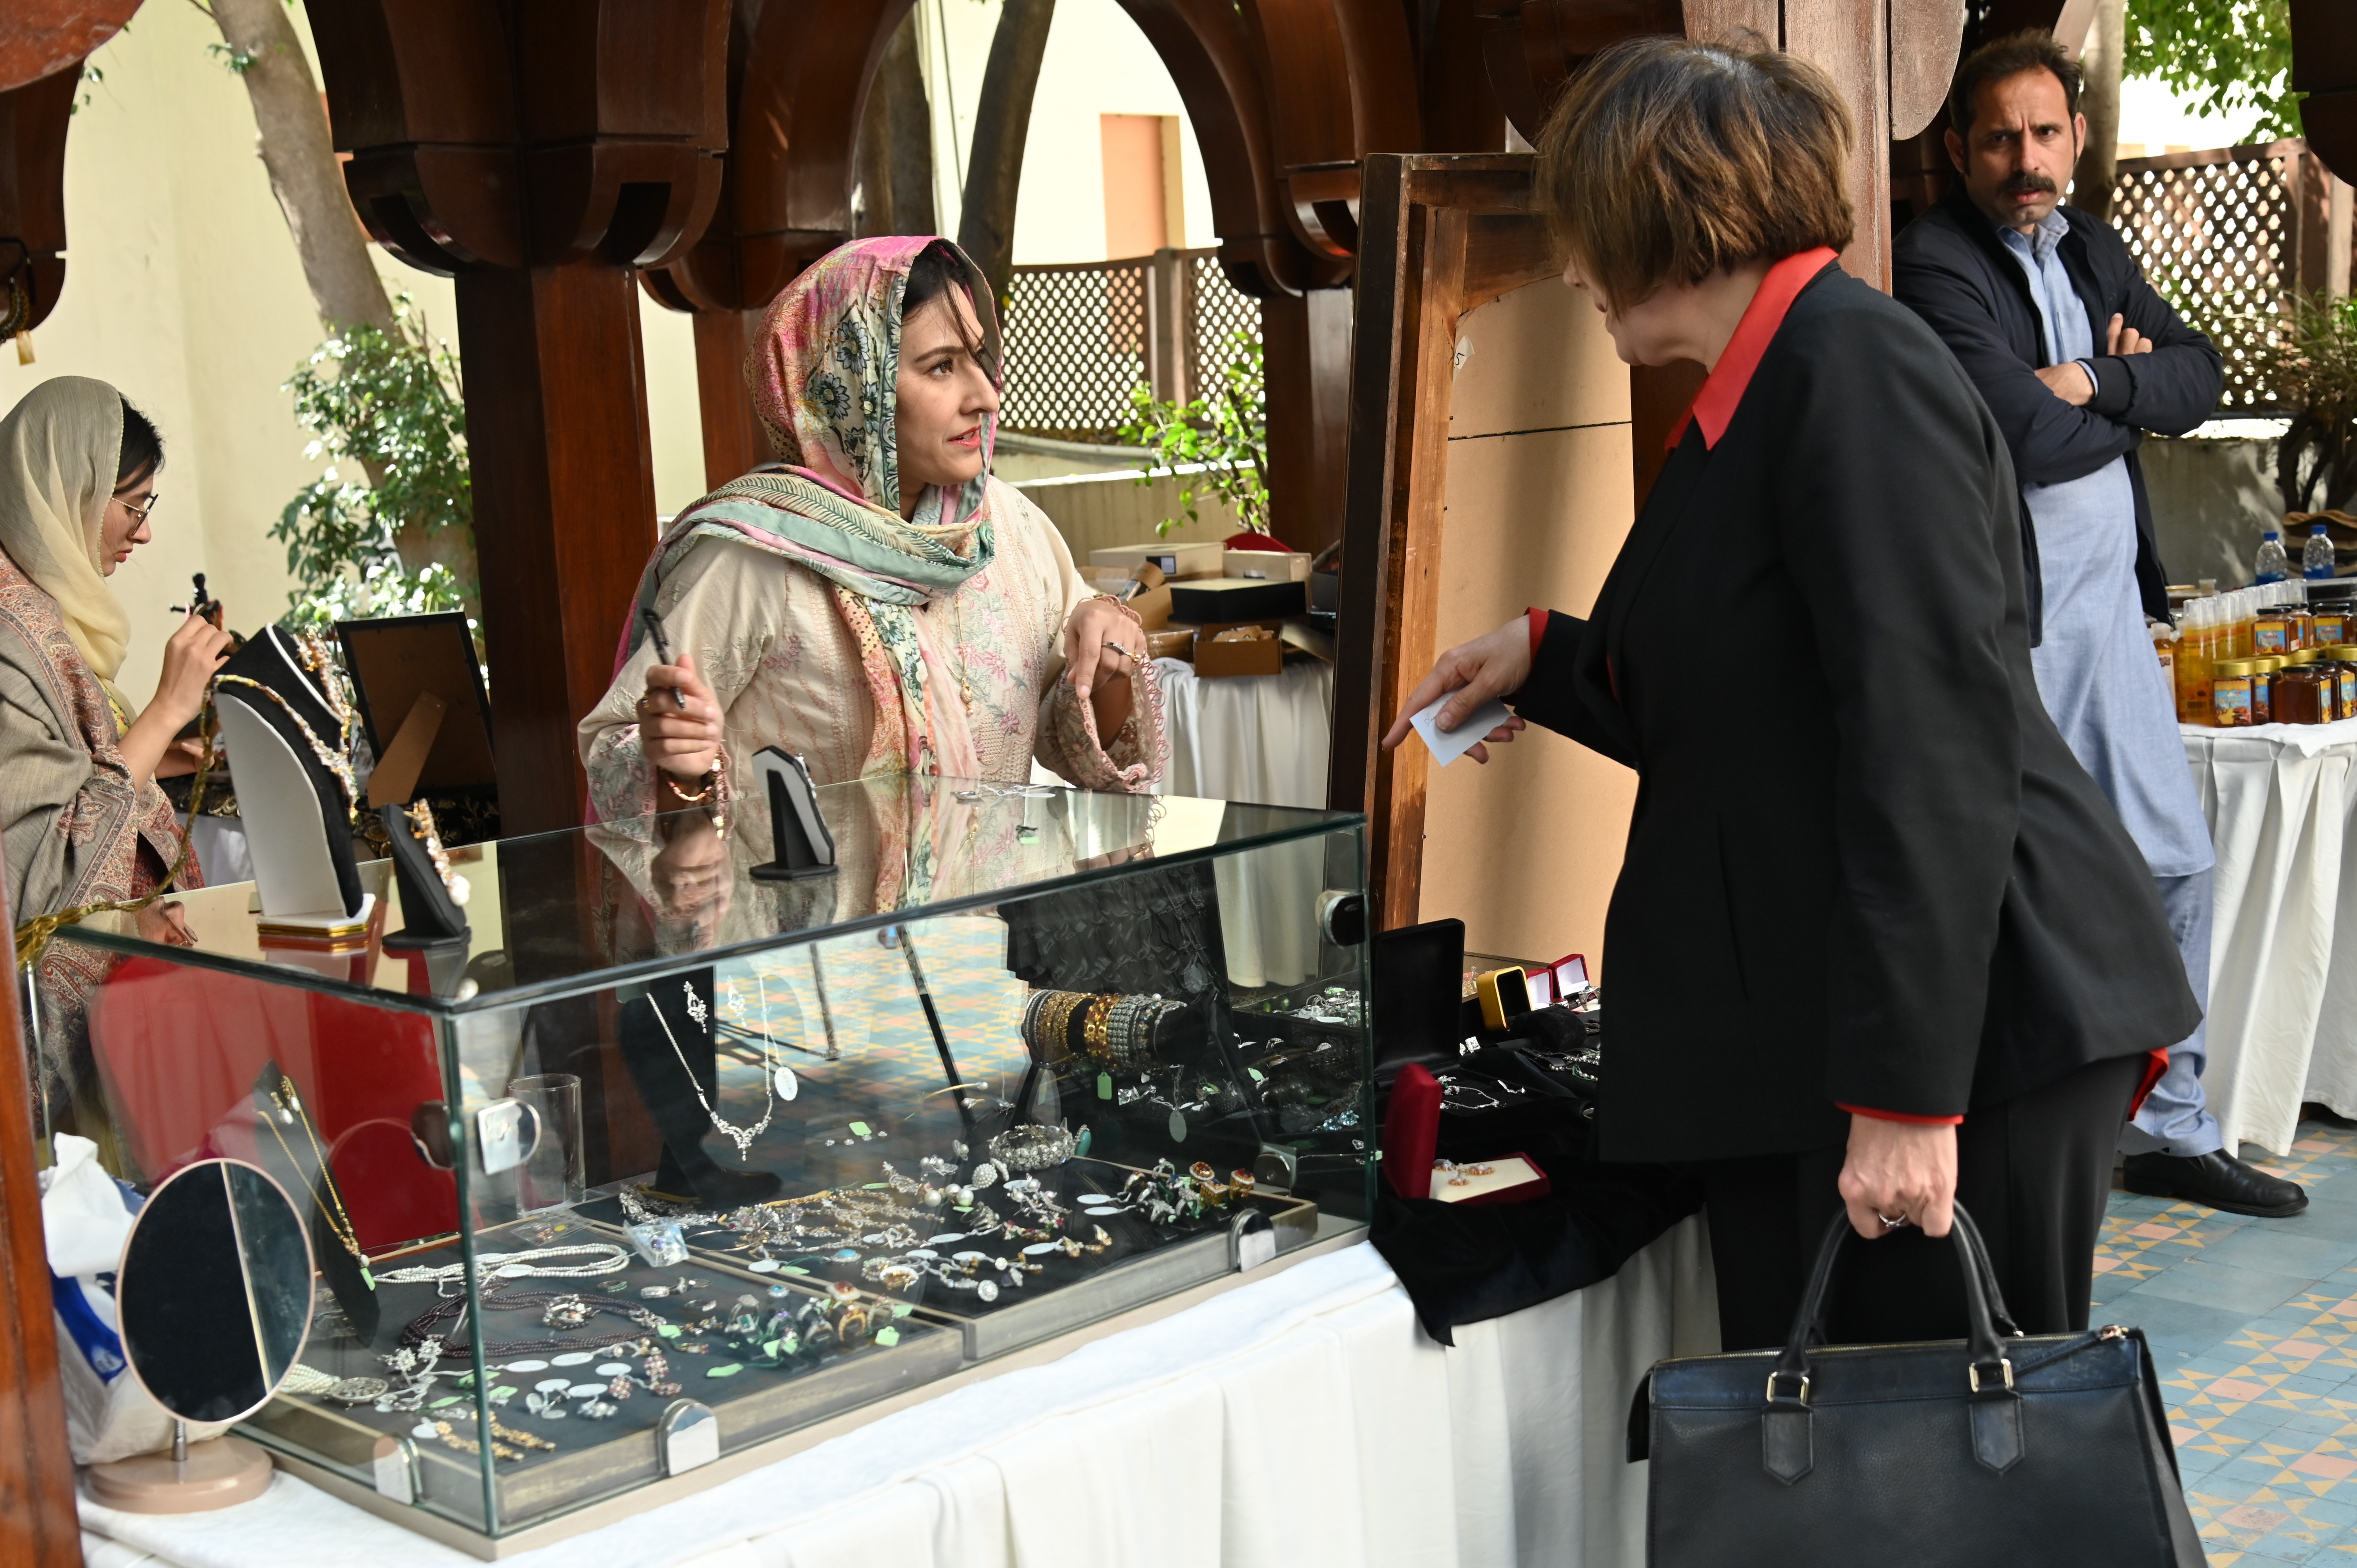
(822, 375)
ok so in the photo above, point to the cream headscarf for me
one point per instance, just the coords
(58, 451)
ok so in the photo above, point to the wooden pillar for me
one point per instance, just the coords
(38, 1525)
(734, 440)
(1306, 340)
(564, 509)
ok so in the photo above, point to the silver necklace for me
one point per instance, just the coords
(517, 1265)
(741, 1136)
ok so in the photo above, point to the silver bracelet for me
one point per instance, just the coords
(1031, 1147)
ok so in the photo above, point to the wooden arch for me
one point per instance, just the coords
(1282, 164)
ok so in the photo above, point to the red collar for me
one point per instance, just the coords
(1715, 404)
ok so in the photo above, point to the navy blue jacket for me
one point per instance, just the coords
(1951, 268)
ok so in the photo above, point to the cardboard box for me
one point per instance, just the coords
(1175, 559)
(1179, 644)
(1214, 659)
(1235, 600)
(1267, 565)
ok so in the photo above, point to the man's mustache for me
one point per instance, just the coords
(2027, 182)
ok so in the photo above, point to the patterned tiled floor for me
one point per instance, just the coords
(2253, 1323)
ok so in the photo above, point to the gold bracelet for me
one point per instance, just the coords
(1056, 1023)
(1093, 1029)
(699, 796)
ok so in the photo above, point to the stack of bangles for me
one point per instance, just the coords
(1115, 1031)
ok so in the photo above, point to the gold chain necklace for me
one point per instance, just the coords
(289, 1105)
(327, 759)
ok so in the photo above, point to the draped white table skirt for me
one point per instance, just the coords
(1300, 1422)
(2283, 966)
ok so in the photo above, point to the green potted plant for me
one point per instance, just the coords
(2311, 360)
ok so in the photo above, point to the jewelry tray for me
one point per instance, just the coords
(1145, 1261)
(594, 1458)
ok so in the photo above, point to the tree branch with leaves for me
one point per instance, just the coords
(1214, 446)
(2230, 56)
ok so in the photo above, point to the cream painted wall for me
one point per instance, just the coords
(183, 289)
(1097, 63)
(1538, 500)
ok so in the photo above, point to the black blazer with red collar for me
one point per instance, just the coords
(1863, 869)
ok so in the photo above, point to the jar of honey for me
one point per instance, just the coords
(2343, 659)
(2230, 694)
(2263, 674)
(2270, 633)
(2300, 627)
(2301, 694)
(2331, 625)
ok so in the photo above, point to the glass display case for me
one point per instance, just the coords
(671, 1153)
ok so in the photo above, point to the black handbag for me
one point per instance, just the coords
(1998, 1451)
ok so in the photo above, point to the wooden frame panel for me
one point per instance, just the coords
(1439, 235)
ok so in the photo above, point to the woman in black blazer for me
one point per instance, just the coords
(1878, 940)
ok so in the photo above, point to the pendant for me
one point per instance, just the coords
(367, 1278)
(788, 1085)
(1177, 1128)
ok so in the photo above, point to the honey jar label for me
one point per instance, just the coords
(2348, 693)
(2331, 629)
(2230, 701)
(2268, 635)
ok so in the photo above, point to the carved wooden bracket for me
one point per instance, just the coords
(33, 119)
(41, 37)
(514, 135)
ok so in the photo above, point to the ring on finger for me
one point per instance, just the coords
(1118, 648)
(1888, 1223)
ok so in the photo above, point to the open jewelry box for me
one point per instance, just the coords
(675, 1154)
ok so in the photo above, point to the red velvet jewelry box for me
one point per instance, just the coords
(1411, 1134)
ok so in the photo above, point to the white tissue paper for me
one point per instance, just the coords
(85, 1220)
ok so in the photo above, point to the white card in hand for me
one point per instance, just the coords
(1448, 745)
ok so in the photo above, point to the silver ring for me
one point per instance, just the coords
(1118, 648)
(1888, 1223)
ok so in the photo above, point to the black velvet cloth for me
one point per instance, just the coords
(1465, 1264)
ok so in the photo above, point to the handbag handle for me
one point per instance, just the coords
(2002, 1319)
(1983, 1303)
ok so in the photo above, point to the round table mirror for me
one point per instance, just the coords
(214, 1296)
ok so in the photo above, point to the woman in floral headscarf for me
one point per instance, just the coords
(874, 600)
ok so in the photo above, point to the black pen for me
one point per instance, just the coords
(654, 624)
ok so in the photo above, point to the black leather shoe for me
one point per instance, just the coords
(2216, 1180)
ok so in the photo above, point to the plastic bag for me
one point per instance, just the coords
(85, 1220)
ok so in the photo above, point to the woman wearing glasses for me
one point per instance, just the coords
(81, 820)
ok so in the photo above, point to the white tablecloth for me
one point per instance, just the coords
(2283, 964)
(1294, 1422)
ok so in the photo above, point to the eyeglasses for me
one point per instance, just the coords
(140, 513)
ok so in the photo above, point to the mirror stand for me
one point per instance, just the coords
(191, 1478)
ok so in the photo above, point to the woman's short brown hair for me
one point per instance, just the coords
(1665, 161)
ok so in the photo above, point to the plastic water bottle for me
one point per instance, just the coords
(2316, 560)
(2273, 566)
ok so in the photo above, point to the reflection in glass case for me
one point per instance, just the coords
(664, 1158)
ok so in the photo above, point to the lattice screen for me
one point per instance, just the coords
(1075, 347)
(2216, 238)
(1078, 340)
(1221, 310)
